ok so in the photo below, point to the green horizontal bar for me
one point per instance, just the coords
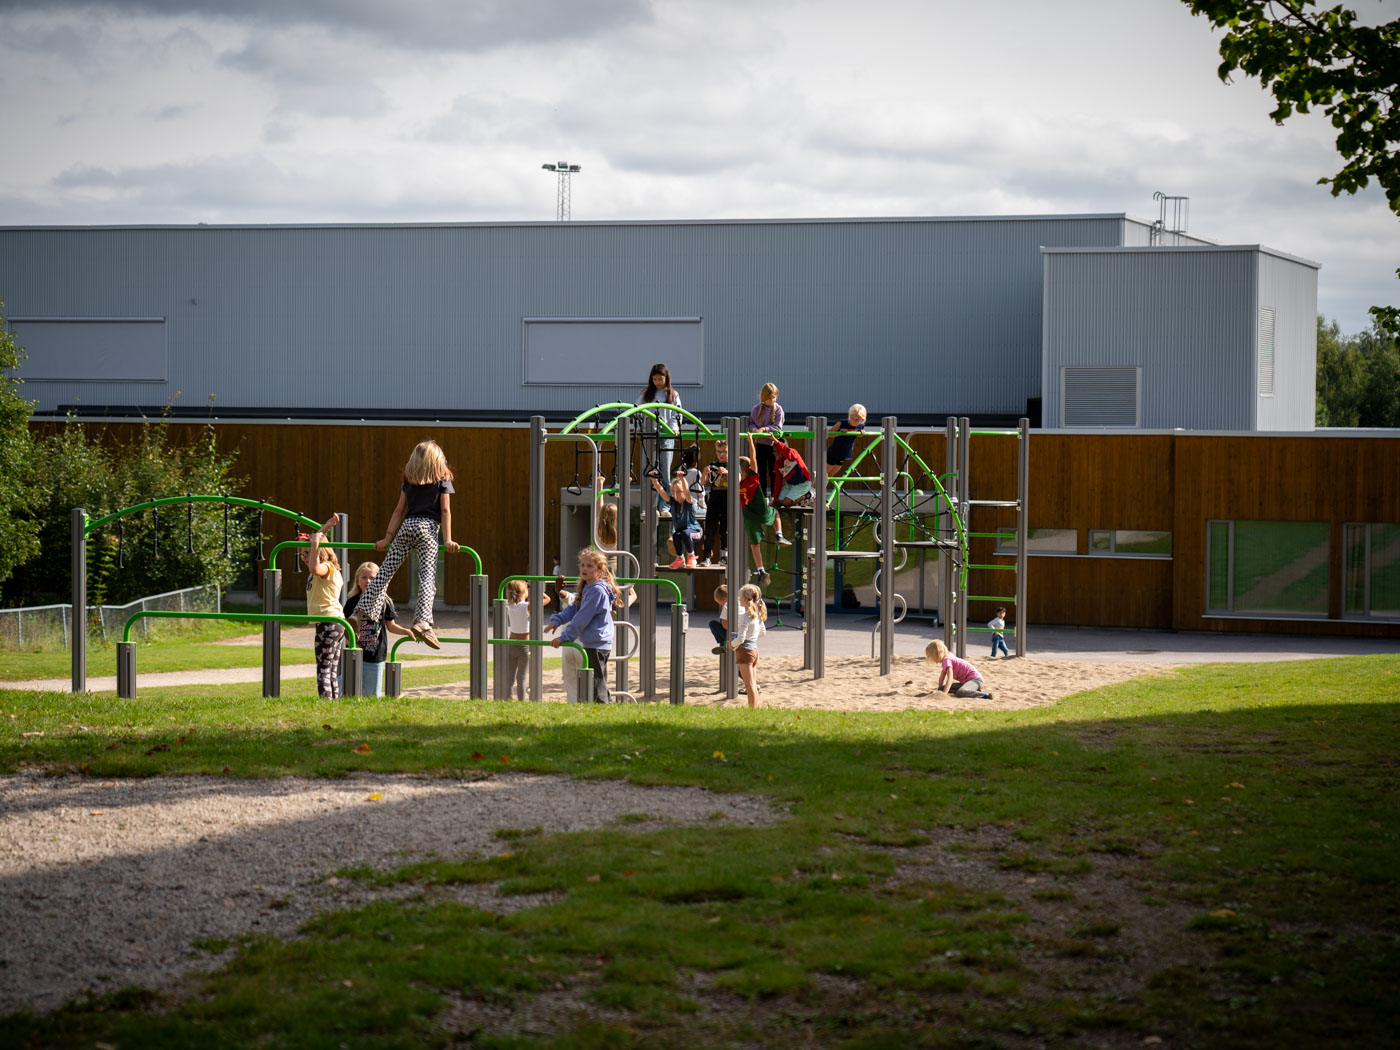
(1000, 568)
(989, 598)
(501, 590)
(394, 652)
(998, 433)
(171, 614)
(357, 546)
(237, 501)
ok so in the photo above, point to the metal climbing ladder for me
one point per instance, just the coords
(953, 578)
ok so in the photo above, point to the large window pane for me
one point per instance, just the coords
(1281, 567)
(1141, 541)
(1042, 541)
(1218, 599)
(1385, 570)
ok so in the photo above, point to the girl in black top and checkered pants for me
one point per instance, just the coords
(423, 513)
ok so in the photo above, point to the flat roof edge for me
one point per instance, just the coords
(834, 220)
(1262, 249)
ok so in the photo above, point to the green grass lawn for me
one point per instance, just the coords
(169, 649)
(1207, 858)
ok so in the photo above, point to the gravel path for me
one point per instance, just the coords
(107, 883)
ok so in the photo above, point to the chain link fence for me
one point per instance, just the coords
(50, 626)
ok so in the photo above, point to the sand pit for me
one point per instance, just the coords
(853, 683)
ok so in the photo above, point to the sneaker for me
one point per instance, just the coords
(764, 579)
(424, 633)
(756, 574)
(354, 620)
(704, 563)
(783, 541)
(690, 561)
(717, 650)
(679, 563)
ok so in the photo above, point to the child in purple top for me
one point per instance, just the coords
(957, 677)
(767, 416)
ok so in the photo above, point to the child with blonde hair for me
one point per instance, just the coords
(957, 677)
(323, 583)
(588, 620)
(685, 527)
(423, 513)
(767, 417)
(844, 445)
(373, 641)
(517, 626)
(753, 611)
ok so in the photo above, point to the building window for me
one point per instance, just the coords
(1135, 543)
(1371, 570)
(1041, 541)
(1267, 568)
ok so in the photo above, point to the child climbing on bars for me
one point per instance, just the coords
(752, 614)
(423, 513)
(589, 619)
(758, 512)
(323, 583)
(685, 529)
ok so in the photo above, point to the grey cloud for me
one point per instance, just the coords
(438, 25)
(324, 82)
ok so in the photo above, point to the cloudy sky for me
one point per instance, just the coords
(180, 111)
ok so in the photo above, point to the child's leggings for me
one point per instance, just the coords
(330, 639)
(684, 542)
(421, 535)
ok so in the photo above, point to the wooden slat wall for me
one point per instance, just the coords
(1080, 481)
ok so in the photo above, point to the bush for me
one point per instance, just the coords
(92, 471)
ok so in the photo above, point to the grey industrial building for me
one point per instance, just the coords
(1077, 320)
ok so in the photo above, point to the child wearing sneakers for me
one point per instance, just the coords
(713, 544)
(685, 529)
(998, 624)
(758, 512)
(720, 627)
(423, 513)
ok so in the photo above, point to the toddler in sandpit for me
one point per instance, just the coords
(957, 677)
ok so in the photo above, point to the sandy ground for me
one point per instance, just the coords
(853, 683)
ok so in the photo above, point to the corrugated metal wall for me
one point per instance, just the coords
(1290, 288)
(1186, 316)
(909, 316)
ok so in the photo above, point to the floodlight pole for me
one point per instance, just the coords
(563, 202)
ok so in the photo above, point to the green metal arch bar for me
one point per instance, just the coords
(648, 410)
(272, 558)
(627, 410)
(237, 501)
(394, 652)
(501, 590)
(170, 614)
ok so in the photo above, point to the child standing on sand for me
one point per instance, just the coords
(752, 613)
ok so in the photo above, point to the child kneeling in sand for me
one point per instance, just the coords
(958, 677)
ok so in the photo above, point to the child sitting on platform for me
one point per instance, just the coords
(685, 530)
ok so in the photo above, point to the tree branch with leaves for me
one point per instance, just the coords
(1323, 59)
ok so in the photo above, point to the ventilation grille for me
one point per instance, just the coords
(1100, 397)
(1266, 351)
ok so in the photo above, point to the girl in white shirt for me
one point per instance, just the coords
(752, 614)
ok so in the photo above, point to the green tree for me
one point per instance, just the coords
(1339, 377)
(19, 489)
(1322, 58)
(1380, 363)
(92, 470)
